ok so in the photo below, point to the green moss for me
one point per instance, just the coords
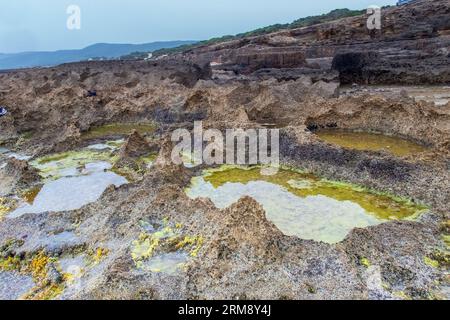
(10, 264)
(166, 240)
(371, 142)
(446, 239)
(365, 262)
(6, 206)
(50, 166)
(311, 289)
(430, 262)
(442, 258)
(146, 160)
(98, 255)
(401, 295)
(382, 205)
(193, 244)
(36, 266)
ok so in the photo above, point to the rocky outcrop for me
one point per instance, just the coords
(352, 66)
(17, 174)
(131, 153)
(135, 146)
(254, 60)
(411, 47)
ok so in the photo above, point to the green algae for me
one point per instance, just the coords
(119, 129)
(365, 262)
(430, 262)
(51, 166)
(36, 266)
(6, 206)
(371, 142)
(70, 180)
(30, 195)
(4, 209)
(302, 204)
(147, 159)
(446, 239)
(135, 170)
(381, 205)
(166, 249)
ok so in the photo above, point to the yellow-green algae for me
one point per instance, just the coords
(119, 129)
(370, 142)
(96, 256)
(430, 262)
(6, 206)
(365, 262)
(159, 250)
(30, 194)
(138, 168)
(36, 266)
(381, 205)
(86, 170)
(302, 204)
(50, 166)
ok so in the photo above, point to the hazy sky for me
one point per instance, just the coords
(30, 25)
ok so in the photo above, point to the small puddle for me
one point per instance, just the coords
(169, 263)
(301, 204)
(163, 248)
(371, 142)
(71, 180)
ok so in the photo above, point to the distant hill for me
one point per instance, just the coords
(96, 51)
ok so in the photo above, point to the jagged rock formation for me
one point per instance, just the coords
(17, 173)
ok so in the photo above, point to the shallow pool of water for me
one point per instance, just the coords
(301, 204)
(371, 142)
(70, 193)
(71, 180)
(169, 263)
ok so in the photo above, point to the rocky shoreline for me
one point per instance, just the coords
(236, 252)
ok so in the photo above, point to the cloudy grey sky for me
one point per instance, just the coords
(30, 25)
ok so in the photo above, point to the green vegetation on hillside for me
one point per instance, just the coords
(302, 22)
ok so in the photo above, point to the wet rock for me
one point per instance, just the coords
(53, 275)
(69, 139)
(245, 224)
(17, 173)
(165, 166)
(135, 146)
